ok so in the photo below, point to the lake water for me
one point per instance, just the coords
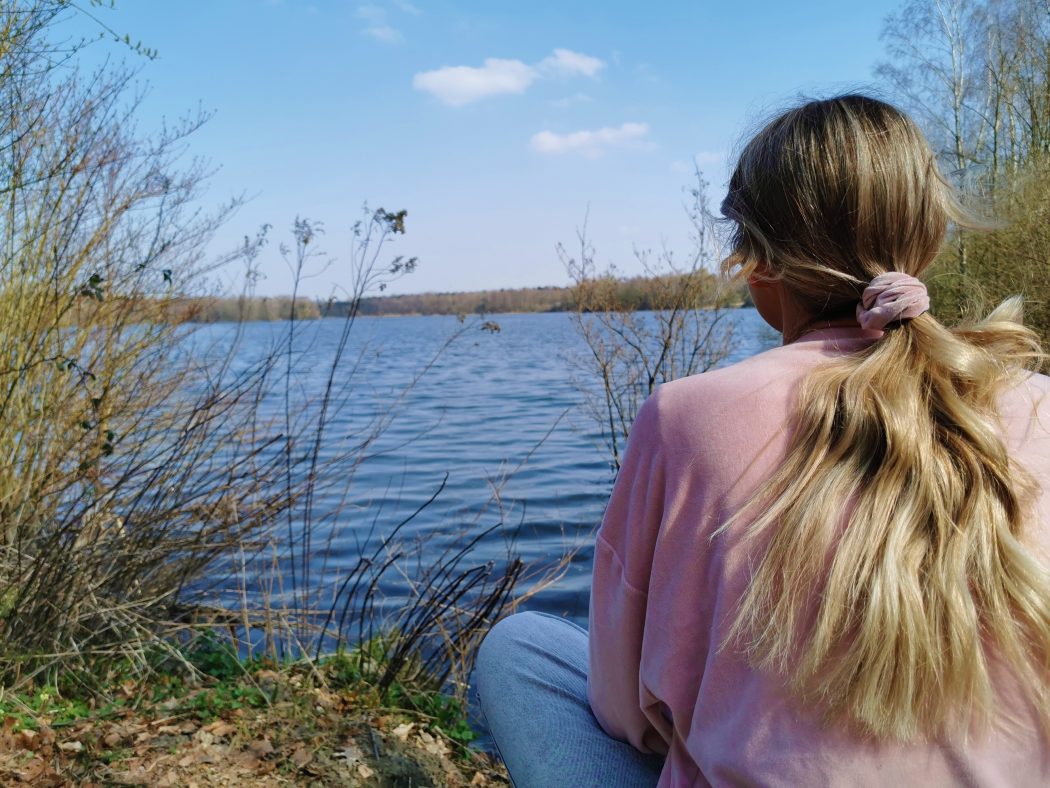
(493, 411)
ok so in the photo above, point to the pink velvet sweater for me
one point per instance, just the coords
(664, 592)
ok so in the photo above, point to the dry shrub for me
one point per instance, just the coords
(128, 467)
(138, 478)
(1011, 260)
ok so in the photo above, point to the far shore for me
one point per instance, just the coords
(625, 294)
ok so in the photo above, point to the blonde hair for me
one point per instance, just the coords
(891, 563)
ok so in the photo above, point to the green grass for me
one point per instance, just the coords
(218, 701)
(448, 716)
(359, 669)
(30, 708)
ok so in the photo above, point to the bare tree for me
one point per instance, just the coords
(976, 73)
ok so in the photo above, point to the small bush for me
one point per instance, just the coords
(1011, 260)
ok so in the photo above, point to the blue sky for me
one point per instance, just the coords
(497, 125)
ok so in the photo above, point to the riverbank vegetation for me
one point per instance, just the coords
(976, 74)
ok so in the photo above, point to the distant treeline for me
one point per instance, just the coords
(628, 294)
(230, 310)
(526, 299)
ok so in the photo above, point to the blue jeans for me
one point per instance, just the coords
(531, 679)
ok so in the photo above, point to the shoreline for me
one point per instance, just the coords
(263, 724)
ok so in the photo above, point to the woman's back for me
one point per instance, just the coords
(668, 584)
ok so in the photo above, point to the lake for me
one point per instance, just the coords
(494, 412)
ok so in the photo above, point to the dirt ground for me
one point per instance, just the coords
(311, 736)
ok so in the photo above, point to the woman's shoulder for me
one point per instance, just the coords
(738, 398)
(769, 374)
(754, 395)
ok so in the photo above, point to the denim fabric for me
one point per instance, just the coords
(531, 680)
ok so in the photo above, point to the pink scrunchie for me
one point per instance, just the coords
(891, 296)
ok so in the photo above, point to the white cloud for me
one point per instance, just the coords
(590, 143)
(377, 25)
(568, 101)
(384, 33)
(407, 7)
(569, 63)
(459, 85)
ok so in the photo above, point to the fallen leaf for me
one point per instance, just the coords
(352, 753)
(245, 760)
(479, 779)
(265, 767)
(204, 737)
(71, 746)
(402, 731)
(364, 771)
(261, 747)
(436, 747)
(325, 700)
(33, 771)
(301, 756)
(220, 729)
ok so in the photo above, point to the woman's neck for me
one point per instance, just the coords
(808, 327)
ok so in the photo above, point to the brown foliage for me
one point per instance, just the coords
(1011, 260)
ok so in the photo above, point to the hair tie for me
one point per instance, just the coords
(891, 297)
